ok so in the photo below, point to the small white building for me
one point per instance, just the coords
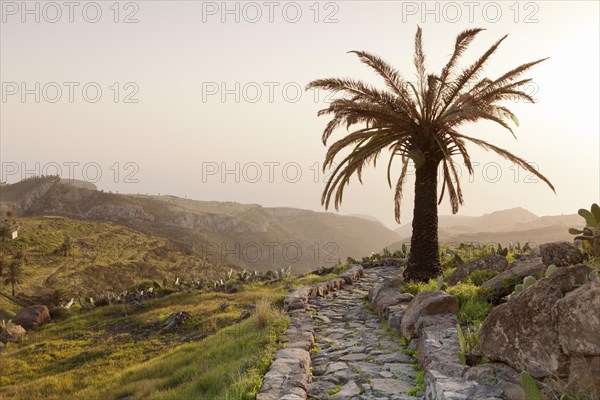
(8, 231)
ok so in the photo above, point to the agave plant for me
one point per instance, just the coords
(243, 276)
(468, 340)
(283, 273)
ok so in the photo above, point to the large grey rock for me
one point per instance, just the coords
(386, 295)
(438, 349)
(503, 284)
(349, 390)
(288, 375)
(425, 304)
(32, 317)
(579, 320)
(395, 315)
(393, 284)
(12, 333)
(493, 262)
(523, 332)
(390, 387)
(499, 378)
(561, 254)
(584, 376)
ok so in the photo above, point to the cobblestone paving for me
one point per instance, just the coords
(354, 356)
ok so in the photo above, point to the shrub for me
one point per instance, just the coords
(265, 313)
(480, 276)
(474, 301)
(340, 268)
(510, 281)
(474, 310)
(470, 353)
(415, 288)
(465, 291)
(278, 302)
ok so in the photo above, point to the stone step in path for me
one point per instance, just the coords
(354, 356)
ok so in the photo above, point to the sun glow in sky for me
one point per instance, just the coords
(205, 99)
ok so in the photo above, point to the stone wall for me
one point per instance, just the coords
(290, 372)
(429, 321)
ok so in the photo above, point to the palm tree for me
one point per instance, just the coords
(420, 123)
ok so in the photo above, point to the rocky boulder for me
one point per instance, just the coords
(12, 333)
(493, 262)
(504, 283)
(579, 335)
(561, 254)
(579, 320)
(423, 307)
(32, 317)
(387, 295)
(523, 332)
(392, 284)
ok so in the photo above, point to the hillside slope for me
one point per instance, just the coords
(239, 235)
(87, 258)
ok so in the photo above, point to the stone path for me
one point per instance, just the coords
(354, 357)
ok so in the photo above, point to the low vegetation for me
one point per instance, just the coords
(221, 349)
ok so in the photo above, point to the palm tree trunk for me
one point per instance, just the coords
(424, 259)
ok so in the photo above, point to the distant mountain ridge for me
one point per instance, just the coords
(255, 237)
(241, 235)
(504, 226)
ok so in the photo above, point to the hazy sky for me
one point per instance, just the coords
(169, 101)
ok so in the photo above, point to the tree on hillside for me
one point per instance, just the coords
(66, 248)
(14, 274)
(4, 230)
(419, 122)
(2, 267)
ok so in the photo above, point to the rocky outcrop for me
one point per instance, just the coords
(447, 379)
(524, 332)
(384, 297)
(579, 335)
(211, 222)
(492, 262)
(561, 254)
(504, 283)
(436, 339)
(424, 308)
(32, 317)
(114, 212)
(12, 333)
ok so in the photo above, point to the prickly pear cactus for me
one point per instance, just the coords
(550, 270)
(591, 232)
(528, 281)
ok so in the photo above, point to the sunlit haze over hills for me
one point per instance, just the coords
(206, 100)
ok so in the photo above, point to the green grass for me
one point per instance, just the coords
(474, 310)
(478, 277)
(419, 384)
(107, 352)
(474, 301)
(335, 389)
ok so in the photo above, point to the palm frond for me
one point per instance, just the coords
(508, 156)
